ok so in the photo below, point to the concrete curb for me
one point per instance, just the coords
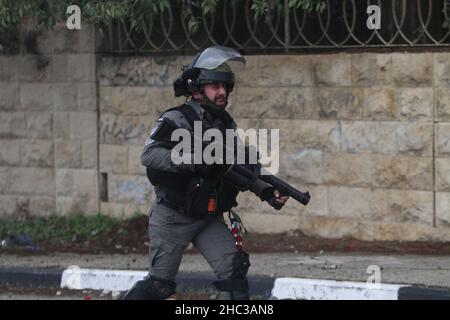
(115, 280)
(262, 286)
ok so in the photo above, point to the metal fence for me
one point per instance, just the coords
(342, 24)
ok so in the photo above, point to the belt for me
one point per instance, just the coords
(169, 205)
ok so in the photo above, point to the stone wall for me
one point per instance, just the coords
(48, 127)
(365, 133)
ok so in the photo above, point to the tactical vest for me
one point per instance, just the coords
(189, 192)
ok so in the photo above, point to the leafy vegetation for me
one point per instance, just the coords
(46, 13)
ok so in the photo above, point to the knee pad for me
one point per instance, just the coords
(151, 288)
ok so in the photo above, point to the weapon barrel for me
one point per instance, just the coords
(286, 189)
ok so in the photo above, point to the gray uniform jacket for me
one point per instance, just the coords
(156, 156)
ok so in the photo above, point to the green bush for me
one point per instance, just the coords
(54, 227)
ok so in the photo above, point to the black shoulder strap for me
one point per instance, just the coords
(187, 112)
(190, 114)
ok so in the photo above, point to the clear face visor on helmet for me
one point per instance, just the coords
(213, 57)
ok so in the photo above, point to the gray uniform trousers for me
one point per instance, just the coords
(171, 232)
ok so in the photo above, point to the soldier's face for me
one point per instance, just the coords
(217, 93)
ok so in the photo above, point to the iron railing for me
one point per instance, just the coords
(342, 24)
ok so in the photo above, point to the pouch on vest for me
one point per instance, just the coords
(198, 192)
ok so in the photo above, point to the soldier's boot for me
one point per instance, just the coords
(151, 288)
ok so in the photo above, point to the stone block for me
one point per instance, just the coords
(7, 206)
(413, 69)
(415, 104)
(131, 130)
(68, 153)
(85, 184)
(413, 139)
(442, 104)
(65, 97)
(113, 158)
(61, 125)
(402, 172)
(81, 67)
(357, 203)
(87, 97)
(262, 103)
(10, 152)
(442, 167)
(130, 189)
(250, 76)
(59, 68)
(443, 209)
(379, 104)
(31, 181)
(12, 125)
(42, 206)
(266, 223)
(83, 125)
(332, 70)
(381, 205)
(333, 103)
(370, 69)
(296, 135)
(39, 125)
(387, 137)
(4, 180)
(166, 69)
(112, 209)
(128, 100)
(376, 171)
(409, 207)
(302, 103)
(442, 69)
(10, 96)
(442, 139)
(125, 71)
(64, 182)
(297, 70)
(65, 40)
(131, 210)
(8, 68)
(36, 97)
(134, 160)
(34, 68)
(37, 153)
(305, 167)
(87, 40)
(90, 153)
(69, 205)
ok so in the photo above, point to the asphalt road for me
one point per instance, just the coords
(394, 269)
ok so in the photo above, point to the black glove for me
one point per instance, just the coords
(274, 203)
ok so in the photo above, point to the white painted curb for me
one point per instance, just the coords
(314, 289)
(100, 279)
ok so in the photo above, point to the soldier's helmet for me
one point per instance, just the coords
(209, 66)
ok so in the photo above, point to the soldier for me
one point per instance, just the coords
(190, 198)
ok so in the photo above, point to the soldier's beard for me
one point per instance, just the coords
(212, 107)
